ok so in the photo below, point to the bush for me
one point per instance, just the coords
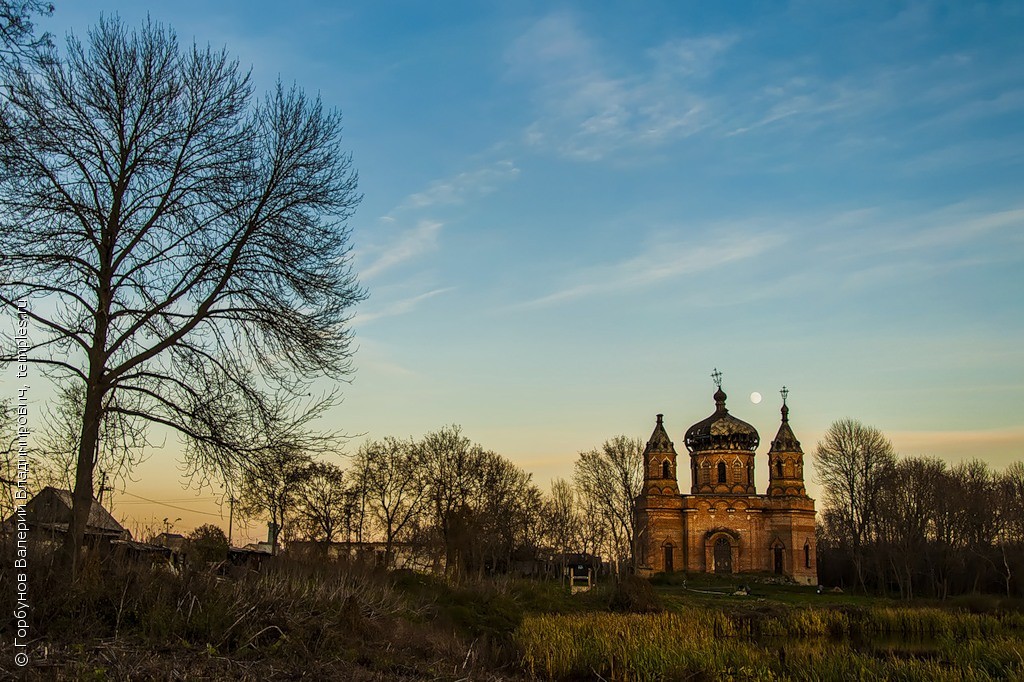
(635, 595)
(208, 544)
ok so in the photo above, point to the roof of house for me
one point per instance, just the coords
(51, 509)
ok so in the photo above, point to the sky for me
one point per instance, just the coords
(574, 211)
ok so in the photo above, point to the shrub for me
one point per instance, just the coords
(207, 544)
(634, 595)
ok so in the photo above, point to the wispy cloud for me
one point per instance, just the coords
(591, 102)
(589, 109)
(463, 187)
(394, 246)
(948, 230)
(695, 57)
(660, 262)
(876, 231)
(406, 246)
(400, 307)
(805, 100)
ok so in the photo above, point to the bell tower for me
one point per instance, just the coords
(660, 541)
(660, 462)
(785, 459)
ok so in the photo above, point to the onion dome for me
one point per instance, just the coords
(721, 431)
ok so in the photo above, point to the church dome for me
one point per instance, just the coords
(721, 431)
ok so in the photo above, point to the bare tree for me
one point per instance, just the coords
(563, 520)
(482, 507)
(1011, 530)
(936, 530)
(909, 500)
(323, 502)
(980, 515)
(853, 462)
(448, 461)
(17, 37)
(609, 479)
(504, 512)
(390, 474)
(272, 490)
(121, 442)
(8, 459)
(179, 245)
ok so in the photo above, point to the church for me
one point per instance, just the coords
(723, 526)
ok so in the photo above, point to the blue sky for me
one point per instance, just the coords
(574, 211)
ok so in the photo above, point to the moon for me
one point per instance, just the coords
(755, 397)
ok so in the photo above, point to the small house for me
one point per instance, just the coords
(48, 515)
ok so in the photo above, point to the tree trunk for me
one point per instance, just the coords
(81, 499)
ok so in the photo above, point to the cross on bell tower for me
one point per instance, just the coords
(716, 376)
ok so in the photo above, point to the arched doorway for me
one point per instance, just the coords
(669, 564)
(778, 558)
(723, 555)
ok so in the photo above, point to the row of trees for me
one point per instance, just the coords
(916, 526)
(453, 499)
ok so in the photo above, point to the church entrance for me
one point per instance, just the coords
(778, 560)
(723, 556)
(668, 559)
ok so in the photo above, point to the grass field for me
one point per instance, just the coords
(777, 632)
(294, 620)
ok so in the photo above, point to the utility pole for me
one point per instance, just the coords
(103, 487)
(231, 517)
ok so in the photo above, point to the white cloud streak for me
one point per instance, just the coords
(591, 104)
(423, 239)
(587, 113)
(400, 307)
(659, 263)
(407, 246)
(463, 187)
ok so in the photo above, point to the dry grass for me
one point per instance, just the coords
(797, 644)
(286, 621)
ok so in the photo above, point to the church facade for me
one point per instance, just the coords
(723, 526)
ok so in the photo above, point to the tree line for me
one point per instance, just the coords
(446, 497)
(916, 526)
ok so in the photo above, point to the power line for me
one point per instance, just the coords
(186, 499)
(157, 502)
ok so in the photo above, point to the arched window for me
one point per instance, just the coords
(721, 472)
(778, 468)
(807, 555)
(665, 473)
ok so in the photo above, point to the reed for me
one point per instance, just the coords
(797, 644)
